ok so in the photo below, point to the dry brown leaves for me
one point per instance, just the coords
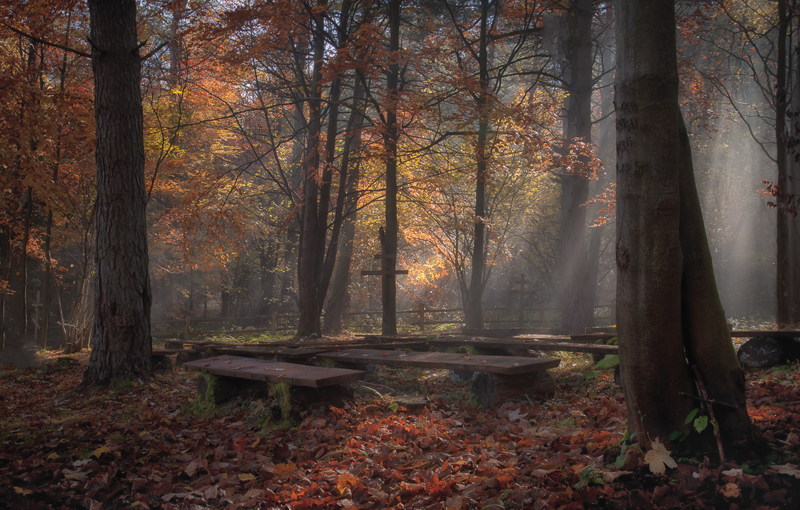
(138, 447)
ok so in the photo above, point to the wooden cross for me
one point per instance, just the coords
(522, 292)
(387, 272)
(37, 309)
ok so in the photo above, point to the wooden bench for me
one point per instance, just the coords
(237, 375)
(500, 378)
(282, 353)
(521, 346)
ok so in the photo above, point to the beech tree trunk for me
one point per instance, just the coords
(668, 307)
(783, 264)
(121, 341)
(787, 235)
(576, 287)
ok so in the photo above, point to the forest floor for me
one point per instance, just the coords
(151, 446)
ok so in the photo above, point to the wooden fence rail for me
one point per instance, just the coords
(421, 317)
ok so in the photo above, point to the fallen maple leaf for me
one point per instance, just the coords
(516, 415)
(734, 472)
(212, 492)
(786, 469)
(239, 444)
(100, 451)
(194, 466)
(284, 470)
(658, 459)
(253, 493)
(610, 476)
(246, 477)
(74, 475)
(346, 481)
(731, 490)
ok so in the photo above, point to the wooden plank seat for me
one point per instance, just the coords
(509, 332)
(167, 352)
(520, 346)
(500, 377)
(283, 353)
(590, 338)
(240, 376)
(771, 334)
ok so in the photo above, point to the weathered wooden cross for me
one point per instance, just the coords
(523, 283)
(388, 273)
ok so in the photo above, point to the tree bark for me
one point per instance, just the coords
(668, 307)
(268, 265)
(474, 315)
(389, 241)
(783, 272)
(339, 299)
(327, 257)
(576, 285)
(307, 269)
(649, 259)
(121, 340)
(705, 328)
(16, 309)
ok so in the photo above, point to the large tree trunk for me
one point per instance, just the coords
(705, 329)
(649, 259)
(122, 343)
(667, 303)
(793, 188)
(783, 263)
(576, 287)
(787, 234)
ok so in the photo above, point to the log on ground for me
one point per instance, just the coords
(765, 351)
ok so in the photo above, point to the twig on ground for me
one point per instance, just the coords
(701, 388)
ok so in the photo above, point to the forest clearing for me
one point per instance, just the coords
(559, 166)
(150, 446)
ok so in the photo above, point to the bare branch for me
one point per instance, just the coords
(47, 43)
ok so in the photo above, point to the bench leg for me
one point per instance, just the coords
(217, 389)
(304, 398)
(490, 389)
(161, 363)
